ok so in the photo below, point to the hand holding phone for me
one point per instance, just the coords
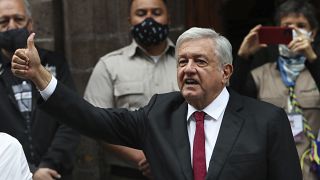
(275, 35)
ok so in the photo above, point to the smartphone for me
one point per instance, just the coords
(275, 35)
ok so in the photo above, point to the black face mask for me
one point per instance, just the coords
(14, 39)
(150, 32)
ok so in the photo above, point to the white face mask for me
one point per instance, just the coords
(303, 32)
(285, 51)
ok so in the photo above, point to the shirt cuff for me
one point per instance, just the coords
(48, 91)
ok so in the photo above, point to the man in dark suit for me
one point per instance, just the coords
(48, 145)
(205, 131)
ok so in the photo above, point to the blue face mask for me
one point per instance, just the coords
(149, 32)
(14, 39)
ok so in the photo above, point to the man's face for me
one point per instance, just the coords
(13, 15)
(142, 9)
(200, 75)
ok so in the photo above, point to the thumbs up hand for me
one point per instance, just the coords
(26, 61)
(32, 53)
(26, 64)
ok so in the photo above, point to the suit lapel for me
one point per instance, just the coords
(229, 130)
(181, 140)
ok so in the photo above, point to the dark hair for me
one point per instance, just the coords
(130, 2)
(297, 7)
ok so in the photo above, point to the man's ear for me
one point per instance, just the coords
(227, 72)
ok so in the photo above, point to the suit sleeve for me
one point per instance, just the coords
(115, 126)
(250, 87)
(282, 154)
(61, 153)
(243, 67)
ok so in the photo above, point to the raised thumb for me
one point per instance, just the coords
(30, 41)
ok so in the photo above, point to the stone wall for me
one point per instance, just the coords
(42, 13)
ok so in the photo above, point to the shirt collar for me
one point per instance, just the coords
(133, 48)
(215, 108)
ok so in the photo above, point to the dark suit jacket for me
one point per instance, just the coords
(254, 142)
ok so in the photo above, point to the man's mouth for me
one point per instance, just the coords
(190, 81)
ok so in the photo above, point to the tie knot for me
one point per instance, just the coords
(199, 116)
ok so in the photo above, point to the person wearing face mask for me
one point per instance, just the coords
(128, 77)
(49, 146)
(288, 76)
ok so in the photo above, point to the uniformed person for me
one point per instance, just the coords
(128, 77)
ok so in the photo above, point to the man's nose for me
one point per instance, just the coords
(150, 14)
(12, 24)
(190, 67)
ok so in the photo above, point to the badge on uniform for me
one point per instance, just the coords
(296, 123)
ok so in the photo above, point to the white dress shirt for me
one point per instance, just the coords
(13, 163)
(48, 91)
(212, 122)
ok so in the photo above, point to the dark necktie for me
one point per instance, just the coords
(199, 154)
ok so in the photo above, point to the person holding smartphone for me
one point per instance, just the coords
(287, 75)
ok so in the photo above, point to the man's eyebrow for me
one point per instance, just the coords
(152, 8)
(13, 15)
(194, 55)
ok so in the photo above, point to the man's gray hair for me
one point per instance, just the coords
(222, 46)
(26, 6)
